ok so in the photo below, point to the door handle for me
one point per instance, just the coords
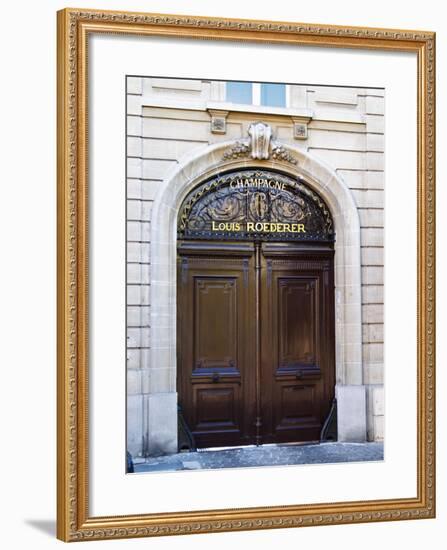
(215, 377)
(299, 374)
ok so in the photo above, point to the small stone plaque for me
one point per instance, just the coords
(299, 130)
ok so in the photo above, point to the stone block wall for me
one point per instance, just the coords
(169, 119)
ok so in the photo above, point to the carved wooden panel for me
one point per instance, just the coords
(216, 408)
(215, 322)
(297, 326)
(297, 407)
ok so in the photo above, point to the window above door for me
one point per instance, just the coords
(256, 93)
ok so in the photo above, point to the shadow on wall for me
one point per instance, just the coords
(46, 526)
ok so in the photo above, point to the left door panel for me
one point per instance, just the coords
(215, 326)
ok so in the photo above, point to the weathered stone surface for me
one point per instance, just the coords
(134, 231)
(138, 210)
(134, 85)
(372, 313)
(373, 333)
(135, 424)
(138, 273)
(375, 161)
(378, 401)
(368, 198)
(323, 453)
(134, 167)
(375, 123)
(138, 252)
(351, 413)
(134, 126)
(138, 295)
(138, 316)
(372, 352)
(373, 373)
(353, 160)
(189, 130)
(371, 236)
(374, 105)
(137, 337)
(150, 188)
(375, 143)
(371, 217)
(133, 358)
(372, 256)
(134, 386)
(172, 150)
(353, 141)
(379, 428)
(179, 85)
(372, 275)
(134, 146)
(156, 169)
(162, 423)
(133, 104)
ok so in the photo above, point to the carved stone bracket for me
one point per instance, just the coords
(260, 136)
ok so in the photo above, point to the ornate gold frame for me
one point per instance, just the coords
(74, 522)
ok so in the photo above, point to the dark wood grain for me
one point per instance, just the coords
(256, 357)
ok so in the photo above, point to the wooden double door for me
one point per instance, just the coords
(255, 341)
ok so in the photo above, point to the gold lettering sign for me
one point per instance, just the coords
(258, 183)
(259, 227)
(226, 226)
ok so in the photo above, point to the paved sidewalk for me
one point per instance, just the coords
(265, 455)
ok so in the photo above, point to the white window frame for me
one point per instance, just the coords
(256, 94)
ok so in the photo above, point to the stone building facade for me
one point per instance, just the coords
(182, 131)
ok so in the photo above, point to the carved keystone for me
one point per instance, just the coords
(260, 136)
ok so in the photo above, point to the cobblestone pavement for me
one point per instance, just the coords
(265, 455)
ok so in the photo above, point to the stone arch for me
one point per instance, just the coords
(193, 169)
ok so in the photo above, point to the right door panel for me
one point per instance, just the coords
(297, 329)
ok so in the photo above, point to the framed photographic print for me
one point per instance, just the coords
(245, 274)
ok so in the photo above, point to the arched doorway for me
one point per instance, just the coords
(255, 309)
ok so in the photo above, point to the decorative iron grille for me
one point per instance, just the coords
(255, 204)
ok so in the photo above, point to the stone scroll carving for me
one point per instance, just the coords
(260, 136)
